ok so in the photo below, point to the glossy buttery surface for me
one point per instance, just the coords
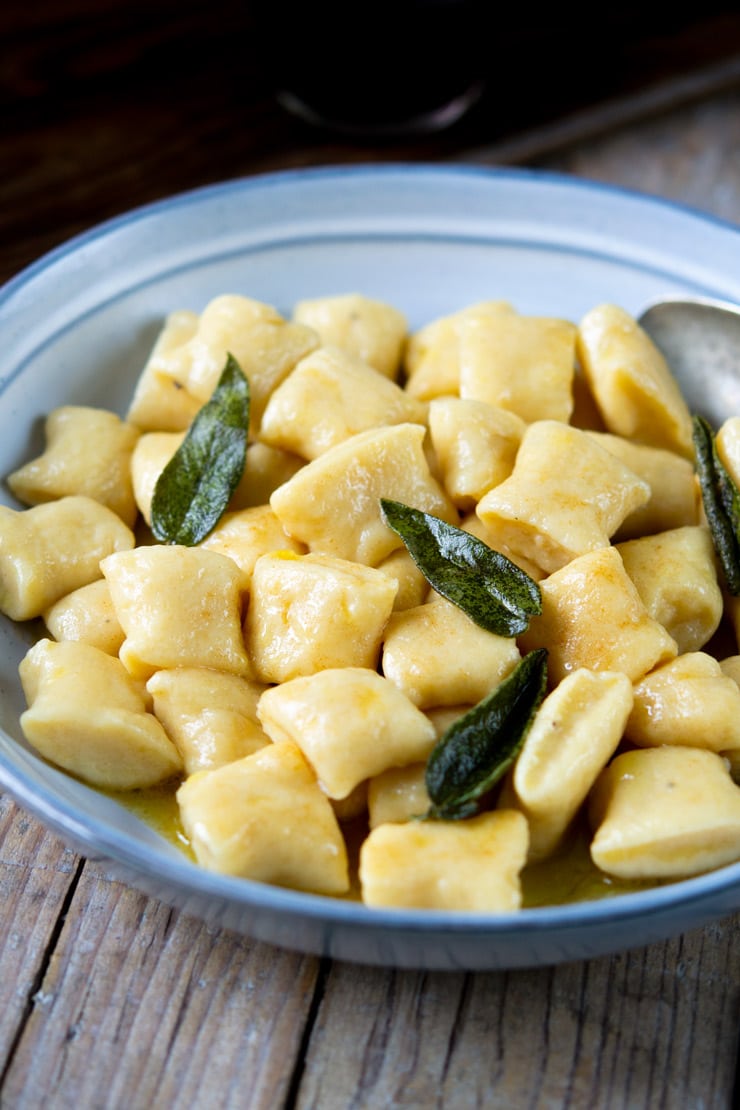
(77, 328)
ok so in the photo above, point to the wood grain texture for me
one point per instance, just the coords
(653, 1028)
(695, 163)
(143, 1007)
(36, 875)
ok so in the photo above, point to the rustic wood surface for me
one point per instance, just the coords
(109, 999)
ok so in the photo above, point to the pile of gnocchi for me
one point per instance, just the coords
(290, 674)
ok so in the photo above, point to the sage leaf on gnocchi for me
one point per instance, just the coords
(195, 486)
(477, 749)
(494, 592)
(721, 500)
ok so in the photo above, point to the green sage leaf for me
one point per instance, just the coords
(194, 488)
(721, 500)
(478, 748)
(494, 592)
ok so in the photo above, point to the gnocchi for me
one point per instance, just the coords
(291, 674)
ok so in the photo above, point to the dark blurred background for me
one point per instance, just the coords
(104, 107)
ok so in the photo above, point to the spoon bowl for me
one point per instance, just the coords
(700, 338)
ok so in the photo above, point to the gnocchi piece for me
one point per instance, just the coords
(472, 865)
(727, 442)
(475, 444)
(266, 346)
(411, 585)
(264, 818)
(637, 395)
(572, 737)
(432, 357)
(161, 403)
(492, 534)
(731, 667)
(443, 716)
(150, 456)
(436, 655)
(310, 612)
(675, 575)
(592, 616)
(687, 701)
(88, 452)
(353, 806)
(210, 716)
(332, 504)
(179, 607)
(87, 715)
(86, 615)
(52, 549)
(521, 363)
(246, 535)
(675, 499)
(665, 813)
(350, 723)
(330, 396)
(585, 413)
(367, 328)
(266, 468)
(398, 794)
(566, 496)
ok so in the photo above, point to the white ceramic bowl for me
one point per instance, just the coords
(77, 326)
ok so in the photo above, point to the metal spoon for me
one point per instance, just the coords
(700, 338)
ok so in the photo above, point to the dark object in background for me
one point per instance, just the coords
(386, 69)
(400, 69)
(107, 106)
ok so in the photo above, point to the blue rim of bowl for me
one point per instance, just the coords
(438, 171)
(103, 840)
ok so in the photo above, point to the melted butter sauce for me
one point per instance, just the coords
(565, 878)
(157, 807)
(570, 876)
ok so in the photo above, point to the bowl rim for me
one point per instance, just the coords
(107, 842)
(98, 837)
(436, 171)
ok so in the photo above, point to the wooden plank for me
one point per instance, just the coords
(693, 156)
(655, 1027)
(145, 1007)
(36, 873)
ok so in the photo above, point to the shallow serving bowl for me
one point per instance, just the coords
(77, 327)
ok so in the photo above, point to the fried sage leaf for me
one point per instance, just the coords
(721, 500)
(478, 749)
(488, 587)
(194, 488)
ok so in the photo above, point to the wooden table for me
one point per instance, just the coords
(110, 999)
